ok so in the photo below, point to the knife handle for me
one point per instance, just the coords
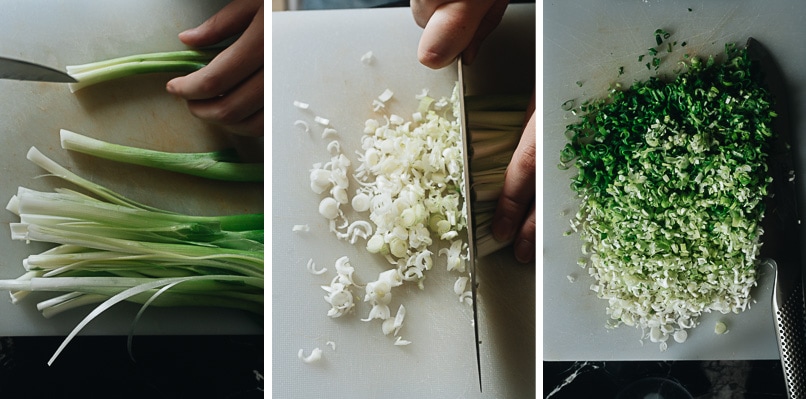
(789, 312)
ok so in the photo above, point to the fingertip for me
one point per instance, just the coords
(524, 251)
(191, 37)
(502, 228)
(434, 59)
(172, 86)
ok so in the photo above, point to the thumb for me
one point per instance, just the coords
(449, 31)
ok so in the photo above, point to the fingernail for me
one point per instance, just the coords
(524, 251)
(502, 229)
(169, 87)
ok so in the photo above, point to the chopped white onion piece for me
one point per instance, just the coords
(680, 336)
(329, 131)
(334, 147)
(376, 244)
(459, 285)
(300, 104)
(303, 125)
(320, 180)
(329, 208)
(466, 297)
(359, 229)
(316, 355)
(312, 268)
(386, 95)
(321, 121)
(720, 328)
(331, 344)
(367, 58)
(360, 202)
(300, 227)
(392, 325)
(401, 342)
(396, 120)
(377, 105)
(423, 94)
(345, 270)
(401, 314)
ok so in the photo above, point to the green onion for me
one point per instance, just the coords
(172, 61)
(219, 165)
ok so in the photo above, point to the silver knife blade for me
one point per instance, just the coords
(471, 242)
(782, 231)
(23, 70)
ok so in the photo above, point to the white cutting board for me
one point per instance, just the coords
(317, 60)
(588, 41)
(134, 111)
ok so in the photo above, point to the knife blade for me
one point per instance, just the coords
(782, 231)
(471, 242)
(23, 70)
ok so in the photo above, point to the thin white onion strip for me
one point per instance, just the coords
(401, 342)
(331, 344)
(122, 296)
(140, 314)
(301, 105)
(72, 300)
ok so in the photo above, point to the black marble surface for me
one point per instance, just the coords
(160, 367)
(699, 379)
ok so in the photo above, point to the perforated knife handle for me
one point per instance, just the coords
(789, 312)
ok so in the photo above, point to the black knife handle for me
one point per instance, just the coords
(790, 328)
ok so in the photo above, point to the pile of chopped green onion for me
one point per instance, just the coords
(671, 181)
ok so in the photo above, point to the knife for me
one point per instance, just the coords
(471, 242)
(782, 231)
(24, 70)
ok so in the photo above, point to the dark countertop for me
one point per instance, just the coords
(701, 379)
(163, 367)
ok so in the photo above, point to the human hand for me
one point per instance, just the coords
(515, 213)
(453, 27)
(229, 90)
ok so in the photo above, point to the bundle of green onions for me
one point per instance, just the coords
(170, 61)
(495, 123)
(111, 249)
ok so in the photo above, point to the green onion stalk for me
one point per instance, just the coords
(219, 165)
